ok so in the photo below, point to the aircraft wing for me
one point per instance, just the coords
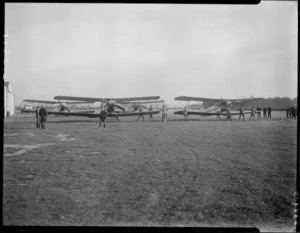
(40, 101)
(124, 114)
(141, 102)
(138, 98)
(81, 102)
(54, 102)
(244, 101)
(210, 113)
(90, 99)
(60, 113)
(97, 115)
(189, 98)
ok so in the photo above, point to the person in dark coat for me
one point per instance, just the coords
(265, 111)
(228, 115)
(269, 112)
(294, 110)
(288, 112)
(252, 113)
(102, 118)
(43, 114)
(185, 114)
(241, 114)
(38, 118)
(150, 110)
(140, 115)
(258, 109)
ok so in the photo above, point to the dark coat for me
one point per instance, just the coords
(103, 115)
(43, 113)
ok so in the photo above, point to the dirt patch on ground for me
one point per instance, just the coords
(23, 148)
(64, 137)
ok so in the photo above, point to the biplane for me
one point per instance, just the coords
(115, 106)
(60, 106)
(217, 107)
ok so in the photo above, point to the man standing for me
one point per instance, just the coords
(252, 113)
(185, 113)
(164, 113)
(150, 110)
(102, 118)
(43, 114)
(140, 115)
(241, 114)
(265, 111)
(38, 118)
(258, 109)
(294, 112)
(228, 114)
(269, 112)
(288, 112)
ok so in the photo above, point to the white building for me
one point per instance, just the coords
(9, 102)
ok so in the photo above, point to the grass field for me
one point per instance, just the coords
(199, 172)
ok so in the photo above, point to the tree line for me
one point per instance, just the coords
(277, 103)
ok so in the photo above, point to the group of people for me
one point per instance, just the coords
(164, 113)
(41, 117)
(258, 112)
(291, 112)
(103, 115)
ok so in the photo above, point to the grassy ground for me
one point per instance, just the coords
(200, 172)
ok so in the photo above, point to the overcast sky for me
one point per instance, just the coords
(128, 50)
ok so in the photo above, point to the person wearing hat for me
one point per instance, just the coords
(164, 113)
(43, 114)
(265, 111)
(258, 109)
(241, 114)
(150, 110)
(185, 114)
(102, 118)
(287, 111)
(252, 113)
(269, 112)
(141, 114)
(38, 118)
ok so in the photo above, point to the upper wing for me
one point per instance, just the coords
(244, 101)
(90, 99)
(87, 99)
(54, 102)
(188, 98)
(141, 102)
(137, 98)
(40, 101)
(81, 102)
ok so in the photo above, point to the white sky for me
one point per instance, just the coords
(128, 50)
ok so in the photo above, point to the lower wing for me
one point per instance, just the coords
(210, 113)
(97, 115)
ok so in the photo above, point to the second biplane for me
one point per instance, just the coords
(217, 107)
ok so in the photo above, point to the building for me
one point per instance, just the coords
(9, 101)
